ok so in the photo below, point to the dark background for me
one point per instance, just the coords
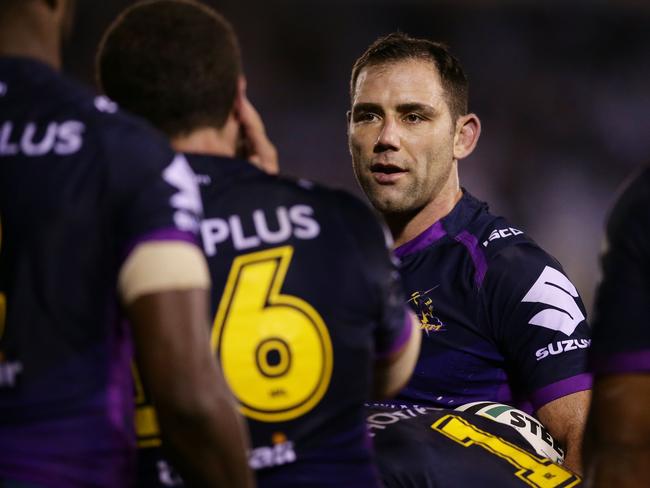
(562, 88)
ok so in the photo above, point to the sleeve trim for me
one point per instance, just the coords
(625, 362)
(164, 234)
(561, 388)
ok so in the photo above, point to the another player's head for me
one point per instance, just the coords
(174, 62)
(408, 123)
(35, 28)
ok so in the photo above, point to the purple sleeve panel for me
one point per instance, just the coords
(401, 339)
(561, 388)
(625, 362)
(167, 234)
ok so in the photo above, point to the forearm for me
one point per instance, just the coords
(199, 423)
(565, 419)
(195, 444)
(573, 451)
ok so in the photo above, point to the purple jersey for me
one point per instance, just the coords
(621, 333)
(80, 185)
(500, 320)
(306, 298)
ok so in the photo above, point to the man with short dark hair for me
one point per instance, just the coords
(501, 321)
(309, 320)
(99, 222)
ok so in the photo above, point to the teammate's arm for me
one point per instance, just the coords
(164, 287)
(617, 440)
(393, 372)
(565, 420)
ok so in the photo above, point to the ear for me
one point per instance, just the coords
(468, 130)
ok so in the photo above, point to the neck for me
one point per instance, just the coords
(30, 31)
(405, 227)
(206, 140)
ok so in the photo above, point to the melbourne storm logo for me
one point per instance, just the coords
(422, 304)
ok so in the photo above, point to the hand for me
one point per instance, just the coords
(254, 145)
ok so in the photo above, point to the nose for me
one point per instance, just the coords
(389, 137)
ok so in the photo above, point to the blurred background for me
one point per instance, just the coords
(562, 88)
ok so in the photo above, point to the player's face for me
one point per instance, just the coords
(401, 135)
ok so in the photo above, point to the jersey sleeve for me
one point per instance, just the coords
(393, 324)
(154, 191)
(539, 323)
(621, 333)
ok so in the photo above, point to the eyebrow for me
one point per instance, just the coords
(367, 107)
(424, 109)
(402, 108)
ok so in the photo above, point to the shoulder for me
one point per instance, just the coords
(512, 259)
(501, 250)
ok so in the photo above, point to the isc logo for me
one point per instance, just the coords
(500, 233)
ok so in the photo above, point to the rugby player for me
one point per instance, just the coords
(98, 218)
(617, 441)
(309, 318)
(500, 319)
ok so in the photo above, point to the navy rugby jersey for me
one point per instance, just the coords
(622, 307)
(80, 185)
(500, 320)
(420, 447)
(306, 298)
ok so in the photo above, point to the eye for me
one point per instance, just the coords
(365, 117)
(413, 118)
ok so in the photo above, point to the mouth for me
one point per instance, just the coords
(386, 173)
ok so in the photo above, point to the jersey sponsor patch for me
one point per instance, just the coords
(554, 289)
(33, 140)
(559, 347)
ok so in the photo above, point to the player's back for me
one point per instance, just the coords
(68, 212)
(305, 303)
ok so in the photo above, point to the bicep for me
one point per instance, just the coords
(393, 372)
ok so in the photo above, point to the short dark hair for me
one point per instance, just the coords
(399, 47)
(174, 62)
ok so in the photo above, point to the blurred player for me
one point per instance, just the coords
(617, 441)
(501, 321)
(308, 318)
(97, 217)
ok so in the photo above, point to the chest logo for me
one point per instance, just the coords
(422, 305)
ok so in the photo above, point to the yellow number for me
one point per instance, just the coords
(274, 349)
(533, 470)
(3, 299)
(146, 421)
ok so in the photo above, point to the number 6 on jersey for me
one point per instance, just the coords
(274, 349)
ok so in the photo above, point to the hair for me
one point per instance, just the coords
(174, 62)
(399, 47)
